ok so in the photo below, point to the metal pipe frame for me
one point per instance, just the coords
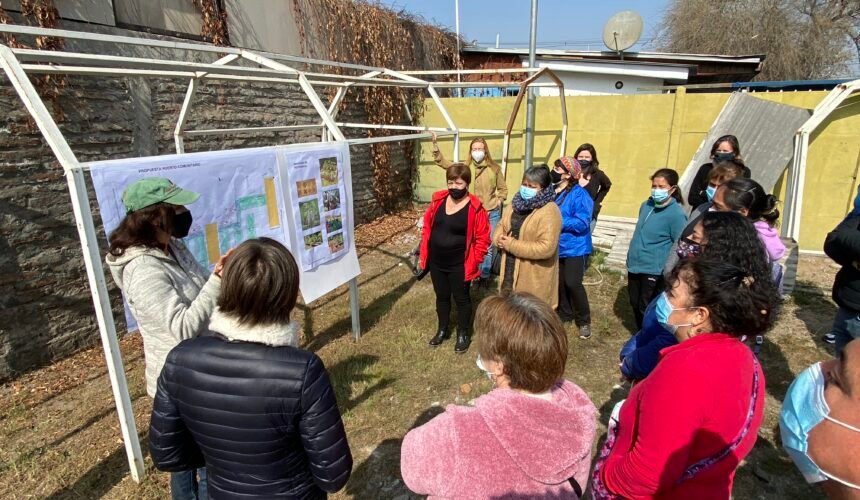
(797, 172)
(524, 85)
(92, 257)
(168, 44)
(197, 74)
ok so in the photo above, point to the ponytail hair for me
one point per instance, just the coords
(671, 178)
(747, 193)
(738, 302)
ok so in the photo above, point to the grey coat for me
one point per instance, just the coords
(172, 299)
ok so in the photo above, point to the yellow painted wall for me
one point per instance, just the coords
(636, 134)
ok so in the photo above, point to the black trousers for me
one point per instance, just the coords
(572, 297)
(446, 284)
(642, 289)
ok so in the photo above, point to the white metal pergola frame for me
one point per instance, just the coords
(797, 171)
(18, 64)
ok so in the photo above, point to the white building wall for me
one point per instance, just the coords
(591, 84)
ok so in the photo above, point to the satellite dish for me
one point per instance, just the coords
(622, 31)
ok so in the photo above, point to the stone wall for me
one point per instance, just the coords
(46, 310)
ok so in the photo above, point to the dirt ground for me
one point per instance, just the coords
(60, 434)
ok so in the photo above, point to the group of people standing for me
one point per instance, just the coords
(701, 287)
(241, 411)
(539, 243)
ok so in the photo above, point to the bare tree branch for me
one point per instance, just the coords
(801, 39)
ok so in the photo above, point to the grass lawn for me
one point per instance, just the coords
(60, 435)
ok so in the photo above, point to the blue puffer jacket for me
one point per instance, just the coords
(640, 354)
(576, 206)
(262, 418)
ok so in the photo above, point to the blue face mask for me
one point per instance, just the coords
(803, 408)
(664, 309)
(659, 195)
(527, 193)
(710, 191)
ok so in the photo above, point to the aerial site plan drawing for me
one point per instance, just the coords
(239, 196)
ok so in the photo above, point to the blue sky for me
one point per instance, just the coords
(562, 24)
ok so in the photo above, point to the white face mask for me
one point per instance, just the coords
(483, 368)
(478, 156)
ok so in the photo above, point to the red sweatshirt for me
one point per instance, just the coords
(688, 409)
(477, 233)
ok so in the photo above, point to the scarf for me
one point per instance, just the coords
(543, 197)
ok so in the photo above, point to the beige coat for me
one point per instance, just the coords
(488, 181)
(536, 251)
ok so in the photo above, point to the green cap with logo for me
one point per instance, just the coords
(151, 190)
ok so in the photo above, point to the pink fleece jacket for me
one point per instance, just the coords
(509, 445)
(769, 237)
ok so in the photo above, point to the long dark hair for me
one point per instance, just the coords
(741, 192)
(588, 147)
(671, 177)
(736, 305)
(732, 238)
(141, 228)
(733, 141)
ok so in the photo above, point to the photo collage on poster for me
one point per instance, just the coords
(320, 210)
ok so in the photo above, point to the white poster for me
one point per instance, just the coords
(317, 194)
(318, 181)
(248, 193)
(240, 196)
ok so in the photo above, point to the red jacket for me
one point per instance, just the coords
(477, 233)
(688, 409)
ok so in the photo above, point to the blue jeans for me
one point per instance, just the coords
(495, 216)
(189, 485)
(846, 327)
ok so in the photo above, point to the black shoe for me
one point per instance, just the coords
(585, 332)
(441, 336)
(463, 343)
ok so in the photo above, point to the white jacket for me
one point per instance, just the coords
(172, 299)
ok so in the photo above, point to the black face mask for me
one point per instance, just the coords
(554, 176)
(724, 156)
(458, 194)
(181, 224)
(585, 164)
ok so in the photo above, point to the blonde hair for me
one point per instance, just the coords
(487, 157)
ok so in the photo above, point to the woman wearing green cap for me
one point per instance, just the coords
(169, 293)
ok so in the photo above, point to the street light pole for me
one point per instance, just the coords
(457, 29)
(530, 103)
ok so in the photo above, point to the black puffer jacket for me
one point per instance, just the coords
(843, 246)
(263, 419)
